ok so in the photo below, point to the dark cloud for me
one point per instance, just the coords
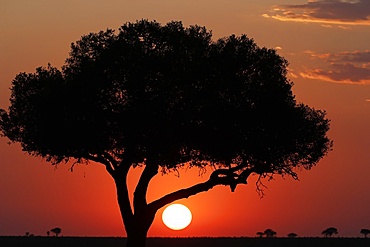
(344, 67)
(360, 57)
(325, 11)
(344, 73)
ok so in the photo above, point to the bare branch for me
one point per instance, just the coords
(123, 198)
(141, 189)
(259, 184)
(119, 174)
(110, 158)
(100, 159)
(73, 165)
(218, 177)
(182, 193)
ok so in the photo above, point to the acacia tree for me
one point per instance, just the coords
(292, 235)
(270, 233)
(164, 97)
(365, 232)
(56, 231)
(329, 231)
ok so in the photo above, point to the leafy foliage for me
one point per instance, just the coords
(169, 95)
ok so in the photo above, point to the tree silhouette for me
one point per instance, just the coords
(56, 231)
(164, 97)
(270, 233)
(48, 233)
(292, 235)
(260, 234)
(329, 231)
(365, 232)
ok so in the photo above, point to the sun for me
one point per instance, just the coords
(176, 216)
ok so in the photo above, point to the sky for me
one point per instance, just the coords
(327, 43)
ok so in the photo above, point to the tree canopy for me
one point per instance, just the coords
(329, 231)
(270, 233)
(56, 231)
(169, 95)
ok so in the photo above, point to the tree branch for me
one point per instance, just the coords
(109, 166)
(180, 194)
(119, 174)
(218, 177)
(111, 159)
(120, 179)
(140, 192)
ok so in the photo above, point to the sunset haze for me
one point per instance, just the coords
(327, 46)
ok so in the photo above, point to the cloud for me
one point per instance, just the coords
(344, 67)
(339, 12)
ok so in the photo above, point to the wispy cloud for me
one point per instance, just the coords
(343, 67)
(326, 12)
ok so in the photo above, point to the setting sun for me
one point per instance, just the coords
(176, 216)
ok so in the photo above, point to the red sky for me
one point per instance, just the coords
(327, 45)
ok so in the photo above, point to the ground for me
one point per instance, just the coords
(183, 242)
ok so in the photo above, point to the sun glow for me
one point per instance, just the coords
(176, 216)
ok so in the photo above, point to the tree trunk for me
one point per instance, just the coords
(136, 223)
(136, 237)
(137, 229)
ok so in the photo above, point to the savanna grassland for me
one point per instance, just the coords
(183, 242)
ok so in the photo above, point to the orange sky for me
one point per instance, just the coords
(329, 59)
